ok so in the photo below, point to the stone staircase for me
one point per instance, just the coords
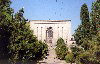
(51, 58)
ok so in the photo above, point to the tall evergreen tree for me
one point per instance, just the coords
(95, 31)
(95, 17)
(91, 54)
(83, 32)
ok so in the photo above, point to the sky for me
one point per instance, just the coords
(52, 10)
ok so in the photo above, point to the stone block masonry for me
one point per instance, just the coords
(49, 31)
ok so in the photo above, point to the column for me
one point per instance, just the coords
(41, 33)
(37, 32)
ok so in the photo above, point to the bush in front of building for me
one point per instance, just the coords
(69, 58)
(61, 49)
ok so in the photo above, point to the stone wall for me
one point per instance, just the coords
(60, 28)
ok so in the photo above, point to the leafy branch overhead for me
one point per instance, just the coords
(17, 41)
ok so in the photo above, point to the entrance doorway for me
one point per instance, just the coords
(49, 35)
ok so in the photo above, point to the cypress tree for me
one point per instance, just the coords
(91, 46)
(95, 17)
(83, 31)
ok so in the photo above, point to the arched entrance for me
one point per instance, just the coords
(49, 35)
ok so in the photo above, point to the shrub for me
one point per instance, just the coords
(69, 58)
(61, 49)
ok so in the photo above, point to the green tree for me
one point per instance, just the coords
(95, 17)
(61, 49)
(91, 45)
(91, 56)
(69, 58)
(83, 32)
(95, 46)
(5, 30)
(24, 46)
(17, 41)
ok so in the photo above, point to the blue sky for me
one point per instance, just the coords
(52, 9)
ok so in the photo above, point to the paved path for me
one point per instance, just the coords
(51, 58)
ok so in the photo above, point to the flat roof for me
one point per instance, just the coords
(51, 20)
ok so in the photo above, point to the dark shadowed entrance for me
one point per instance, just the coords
(49, 35)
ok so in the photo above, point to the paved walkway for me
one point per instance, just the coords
(51, 58)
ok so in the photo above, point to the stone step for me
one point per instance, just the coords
(56, 62)
(51, 58)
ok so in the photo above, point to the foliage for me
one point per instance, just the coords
(69, 58)
(17, 41)
(95, 17)
(76, 50)
(61, 49)
(82, 33)
(5, 30)
(91, 40)
(23, 44)
(83, 58)
(90, 56)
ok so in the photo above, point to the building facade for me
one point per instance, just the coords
(50, 30)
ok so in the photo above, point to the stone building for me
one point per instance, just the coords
(50, 30)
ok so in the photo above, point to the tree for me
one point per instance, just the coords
(69, 58)
(5, 23)
(24, 46)
(17, 41)
(91, 56)
(61, 49)
(83, 31)
(95, 17)
(90, 42)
